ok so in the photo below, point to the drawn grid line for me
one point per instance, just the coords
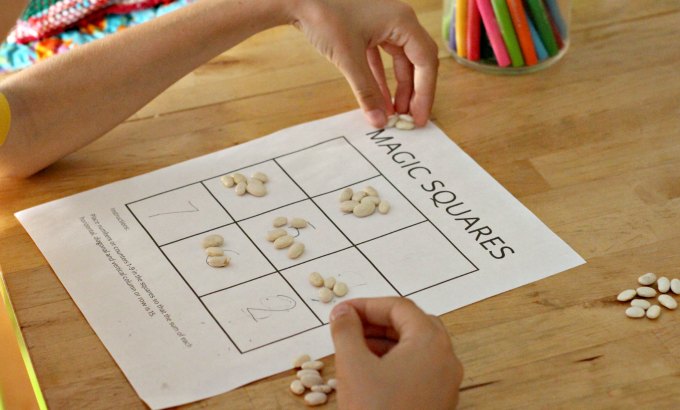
(308, 198)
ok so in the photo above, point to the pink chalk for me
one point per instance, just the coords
(493, 32)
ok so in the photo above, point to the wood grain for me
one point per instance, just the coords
(590, 145)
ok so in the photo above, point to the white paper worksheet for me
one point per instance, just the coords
(130, 255)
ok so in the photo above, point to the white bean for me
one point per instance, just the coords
(348, 206)
(392, 120)
(297, 387)
(280, 221)
(369, 198)
(340, 289)
(635, 312)
(626, 295)
(238, 178)
(346, 194)
(370, 191)
(275, 234)
(323, 388)
(364, 209)
(214, 251)
(296, 250)
(333, 383)
(316, 279)
(309, 380)
(312, 365)
(668, 302)
(260, 176)
(306, 372)
(283, 241)
(227, 180)
(329, 282)
(301, 359)
(255, 187)
(213, 240)
(653, 312)
(298, 223)
(647, 279)
(358, 196)
(218, 261)
(325, 295)
(641, 303)
(675, 286)
(315, 398)
(663, 284)
(404, 125)
(406, 117)
(241, 188)
(646, 292)
(384, 207)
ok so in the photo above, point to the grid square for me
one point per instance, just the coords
(280, 191)
(407, 259)
(320, 237)
(179, 213)
(260, 312)
(342, 166)
(401, 215)
(189, 258)
(348, 266)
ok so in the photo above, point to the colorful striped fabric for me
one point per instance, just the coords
(45, 18)
(117, 15)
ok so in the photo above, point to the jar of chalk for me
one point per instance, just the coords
(506, 36)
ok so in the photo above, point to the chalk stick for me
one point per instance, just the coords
(542, 24)
(493, 32)
(541, 52)
(473, 31)
(556, 15)
(502, 13)
(446, 21)
(461, 27)
(452, 30)
(555, 31)
(519, 20)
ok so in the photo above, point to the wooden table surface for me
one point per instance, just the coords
(590, 145)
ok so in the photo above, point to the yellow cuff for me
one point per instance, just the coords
(5, 117)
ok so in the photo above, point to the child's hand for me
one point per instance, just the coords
(348, 33)
(389, 354)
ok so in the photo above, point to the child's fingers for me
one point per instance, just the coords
(378, 69)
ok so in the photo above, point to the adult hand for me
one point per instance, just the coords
(389, 354)
(349, 32)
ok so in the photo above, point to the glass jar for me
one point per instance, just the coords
(506, 36)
